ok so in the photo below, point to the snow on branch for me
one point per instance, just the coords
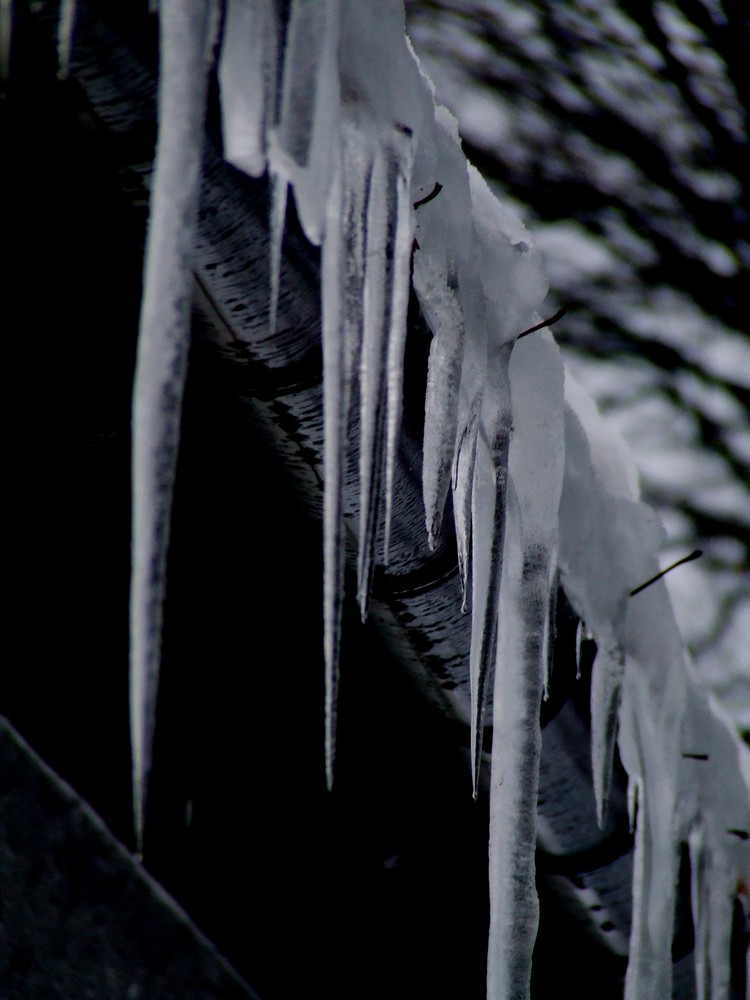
(333, 104)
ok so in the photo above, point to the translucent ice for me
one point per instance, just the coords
(372, 374)
(343, 310)
(186, 36)
(279, 191)
(532, 500)
(403, 238)
(65, 33)
(302, 146)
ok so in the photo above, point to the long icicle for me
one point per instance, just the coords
(402, 250)
(65, 33)
(529, 571)
(377, 309)
(343, 288)
(606, 682)
(248, 69)
(516, 749)
(7, 14)
(279, 194)
(186, 34)
(462, 479)
(488, 522)
(334, 408)
(699, 891)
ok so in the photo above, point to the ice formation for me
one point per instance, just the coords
(6, 19)
(541, 489)
(187, 36)
(66, 28)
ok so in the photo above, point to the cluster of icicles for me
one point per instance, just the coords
(330, 100)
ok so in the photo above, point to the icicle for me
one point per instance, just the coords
(714, 801)
(473, 383)
(516, 746)
(479, 282)
(717, 888)
(607, 543)
(582, 635)
(6, 37)
(65, 32)
(304, 143)
(463, 477)
(443, 278)
(372, 377)
(305, 41)
(474, 368)
(536, 461)
(279, 189)
(402, 250)
(247, 77)
(441, 308)
(511, 284)
(699, 890)
(335, 428)
(535, 469)
(634, 794)
(488, 538)
(722, 889)
(638, 965)
(606, 679)
(343, 290)
(186, 38)
(552, 631)
(655, 863)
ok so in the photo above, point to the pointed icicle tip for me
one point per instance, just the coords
(138, 827)
(65, 34)
(581, 636)
(336, 392)
(330, 766)
(372, 369)
(396, 341)
(6, 37)
(634, 793)
(279, 195)
(432, 538)
(606, 681)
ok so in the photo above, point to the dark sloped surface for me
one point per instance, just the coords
(79, 918)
